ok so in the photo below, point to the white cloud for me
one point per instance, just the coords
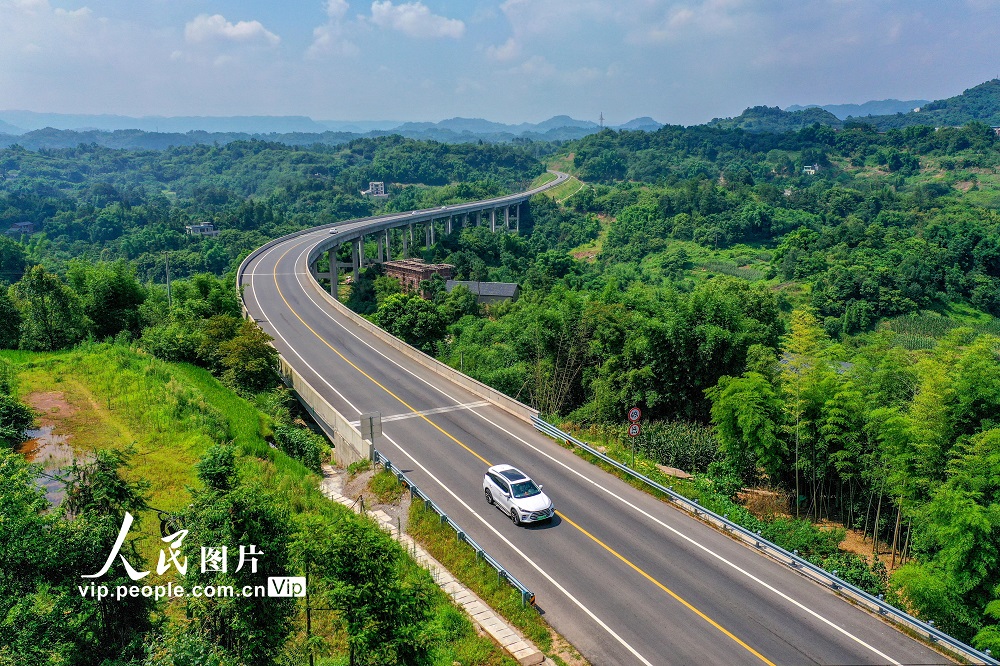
(26, 6)
(330, 37)
(506, 51)
(336, 9)
(204, 28)
(415, 19)
(693, 19)
(81, 13)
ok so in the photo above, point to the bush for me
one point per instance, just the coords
(304, 445)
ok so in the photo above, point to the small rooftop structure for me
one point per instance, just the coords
(376, 188)
(21, 229)
(411, 272)
(487, 292)
(203, 229)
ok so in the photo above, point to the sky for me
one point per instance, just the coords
(504, 60)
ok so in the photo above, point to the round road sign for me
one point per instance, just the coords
(633, 430)
(634, 414)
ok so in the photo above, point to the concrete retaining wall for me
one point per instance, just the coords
(348, 446)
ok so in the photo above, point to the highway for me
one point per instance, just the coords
(624, 577)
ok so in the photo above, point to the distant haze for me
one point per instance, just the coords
(508, 61)
(883, 107)
(19, 122)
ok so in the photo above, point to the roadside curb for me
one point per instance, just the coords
(507, 637)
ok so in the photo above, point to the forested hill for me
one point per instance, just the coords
(773, 119)
(93, 202)
(879, 225)
(978, 104)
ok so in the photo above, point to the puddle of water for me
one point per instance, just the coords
(53, 453)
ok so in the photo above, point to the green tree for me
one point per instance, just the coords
(412, 319)
(253, 524)
(803, 373)
(10, 320)
(747, 414)
(111, 295)
(52, 315)
(13, 260)
(15, 418)
(383, 604)
(249, 362)
(44, 553)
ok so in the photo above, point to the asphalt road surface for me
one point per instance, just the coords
(626, 578)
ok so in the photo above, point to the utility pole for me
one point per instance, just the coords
(166, 258)
(308, 616)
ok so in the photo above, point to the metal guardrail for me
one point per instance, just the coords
(874, 604)
(527, 596)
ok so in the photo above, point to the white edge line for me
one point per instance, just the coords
(623, 500)
(572, 598)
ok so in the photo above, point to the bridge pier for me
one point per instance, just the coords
(355, 260)
(331, 255)
(493, 220)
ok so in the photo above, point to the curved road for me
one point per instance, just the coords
(626, 578)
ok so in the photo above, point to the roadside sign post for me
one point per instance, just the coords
(370, 426)
(634, 428)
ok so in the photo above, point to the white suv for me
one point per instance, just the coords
(510, 490)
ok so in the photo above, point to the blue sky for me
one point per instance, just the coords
(510, 60)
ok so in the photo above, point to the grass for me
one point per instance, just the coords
(385, 487)
(460, 559)
(744, 272)
(562, 192)
(172, 413)
(591, 249)
(541, 180)
(922, 331)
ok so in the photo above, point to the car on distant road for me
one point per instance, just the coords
(513, 492)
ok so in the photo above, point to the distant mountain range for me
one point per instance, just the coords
(882, 107)
(453, 129)
(54, 130)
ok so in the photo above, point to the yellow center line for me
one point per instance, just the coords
(666, 589)
(369, 377)
(593, 538)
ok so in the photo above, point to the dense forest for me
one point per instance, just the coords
(809, 312)
(97, 203)
(817, 306)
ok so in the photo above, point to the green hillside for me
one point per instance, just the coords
(774, 120)
(977, 104)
